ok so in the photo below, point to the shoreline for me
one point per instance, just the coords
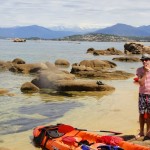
(108, 114)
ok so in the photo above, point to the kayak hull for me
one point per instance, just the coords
(75, 139)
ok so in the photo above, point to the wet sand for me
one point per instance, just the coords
(117, 111)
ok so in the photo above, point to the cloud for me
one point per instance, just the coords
(74, 12)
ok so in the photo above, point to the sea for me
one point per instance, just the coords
(20, 112)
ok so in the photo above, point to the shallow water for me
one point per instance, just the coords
(91, 110)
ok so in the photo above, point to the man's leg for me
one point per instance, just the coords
(141, 121)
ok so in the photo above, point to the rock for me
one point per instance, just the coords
(61, 81)
(136, 48)
(28, 68)
(18, 61)
(76, 85)
(62, 62)
(104, 75)
(127, 59)
(5, 65)
(90, 50)
(28, 87)
(109, 51)
(47, 79)
(97, 64)
(5, 92)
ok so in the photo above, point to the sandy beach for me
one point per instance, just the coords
(117, 112)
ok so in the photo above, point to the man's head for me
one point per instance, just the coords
(145, 57)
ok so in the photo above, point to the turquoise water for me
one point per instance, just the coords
(22, 112)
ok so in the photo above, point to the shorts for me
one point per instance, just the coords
(144, 103)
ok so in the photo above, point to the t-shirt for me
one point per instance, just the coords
(145, 88)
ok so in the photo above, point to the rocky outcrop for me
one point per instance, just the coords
(136, 48)
(5, 92)
(127, 59)
(29, 87)
(71, 85)
(48, 78)
(108, 51)
(62, 81)
(76, 85)
(98, 69)
(62, 62)
(18, 61)
(5, 65)
(104, 75)
(28, 68)
(96, 64)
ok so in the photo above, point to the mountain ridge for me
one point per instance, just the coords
(31, 31)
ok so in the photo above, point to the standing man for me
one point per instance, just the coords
(143, 74)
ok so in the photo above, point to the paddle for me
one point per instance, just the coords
(63, 128)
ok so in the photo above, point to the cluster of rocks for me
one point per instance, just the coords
(136, 48)
(108, 51)
(49, 75)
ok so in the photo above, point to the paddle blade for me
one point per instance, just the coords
(63, 128)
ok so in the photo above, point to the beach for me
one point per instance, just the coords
(116, 111)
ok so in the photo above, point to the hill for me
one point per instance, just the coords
(32, 31)
(97, 38)
(125, 30)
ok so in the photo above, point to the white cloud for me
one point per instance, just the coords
(85, 13)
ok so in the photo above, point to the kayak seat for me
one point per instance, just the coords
(54, 134)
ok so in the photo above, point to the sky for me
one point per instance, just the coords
(71, 13)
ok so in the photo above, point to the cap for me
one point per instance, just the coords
(145, 56)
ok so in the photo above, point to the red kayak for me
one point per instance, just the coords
(66, 137)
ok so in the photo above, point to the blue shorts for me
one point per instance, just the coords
(144, 103)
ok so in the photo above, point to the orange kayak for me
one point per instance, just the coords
(66, 137)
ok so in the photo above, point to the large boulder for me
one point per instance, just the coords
(136, 48)
(18, 61)
(48, 78)
(61, 81)
(79, 85)
(62, 62)
(97, 64)
(28, 68)
(29, 87)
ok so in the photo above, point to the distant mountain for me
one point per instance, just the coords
(125, 30)
(56, 32)
(33, 31)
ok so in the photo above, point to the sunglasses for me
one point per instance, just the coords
(109, 147)
(145, 59)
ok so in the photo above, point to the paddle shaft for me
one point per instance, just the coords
(113, 132)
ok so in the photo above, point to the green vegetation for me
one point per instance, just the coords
(103, 38)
